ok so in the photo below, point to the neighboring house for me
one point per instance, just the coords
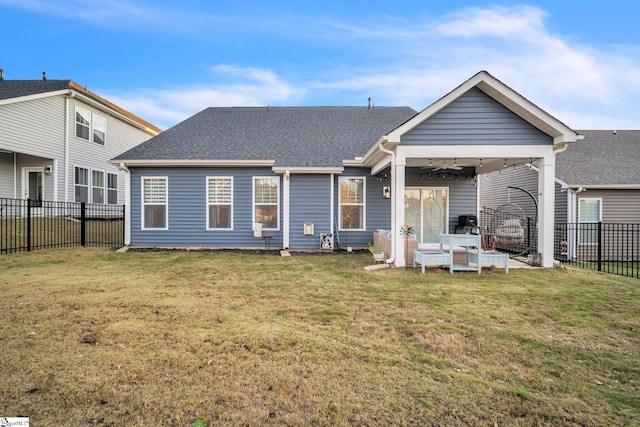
(597, 180)
(300, 172)
(56, 138)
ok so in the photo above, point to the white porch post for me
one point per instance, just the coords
(398, 202)
(546, 208)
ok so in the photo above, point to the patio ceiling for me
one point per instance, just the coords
(481, 165)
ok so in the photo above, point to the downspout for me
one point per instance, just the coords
(15, 175)
(66, 145)
(127, 203)
(332, 225)
(287, 208)
(393, 210)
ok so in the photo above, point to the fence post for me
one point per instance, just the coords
(83, 224)
(28, 225)
(599, 245)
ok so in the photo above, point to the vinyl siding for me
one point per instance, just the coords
(618, 206)
(6, 175)
(473, 119)
(34, 127)
(310, 202)
(36, 130)
(377, 210)
(187, 209)
(310, 198)
(119, 138)
(494, 192)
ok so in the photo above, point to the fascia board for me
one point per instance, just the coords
(34, 96)
(606, 186)
(114, 112)
(308, 170)
(193, 163)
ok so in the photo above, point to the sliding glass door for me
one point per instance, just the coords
(427, 211)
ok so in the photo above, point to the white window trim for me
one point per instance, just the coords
(75, 183)
(599, 199)
(210, 204)
(107, 188)
(143, 204)
(90, 185)
(91, 114)
(364, 203)
(253, 200)
(103, 187)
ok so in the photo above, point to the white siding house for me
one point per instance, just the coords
(56, 138)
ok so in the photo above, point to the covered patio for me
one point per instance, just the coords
(479, 127)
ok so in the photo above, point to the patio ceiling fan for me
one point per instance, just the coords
(446, 165)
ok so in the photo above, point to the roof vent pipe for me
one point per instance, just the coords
(1, 75)
(44, 76)
(369, 106)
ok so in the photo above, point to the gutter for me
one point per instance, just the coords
(127, 202)
(192, 163)
(393, 210)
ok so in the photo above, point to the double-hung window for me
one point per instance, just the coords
(266, 207)
(81, 186)
(155, 209)
(589, 214)
(352, 203)
(90, 126)
(97, 186)
(219, 203)
(112, 188)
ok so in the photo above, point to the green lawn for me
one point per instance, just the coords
(94, 337)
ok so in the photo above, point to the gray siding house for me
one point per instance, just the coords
(56, 138)
(226, 177)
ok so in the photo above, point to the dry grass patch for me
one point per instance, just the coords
(93, 337)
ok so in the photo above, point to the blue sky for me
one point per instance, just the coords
(165, 60)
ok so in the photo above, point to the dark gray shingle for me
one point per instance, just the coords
(292, 136)
(16, 88)
(601, 158)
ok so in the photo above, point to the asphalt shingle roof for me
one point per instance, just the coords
(601, 158)
(292, 136)
(16, 88)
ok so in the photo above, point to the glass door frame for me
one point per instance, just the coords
(26, 171)
(421, 189)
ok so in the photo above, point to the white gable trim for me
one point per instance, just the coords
(34, 96)
(512, 100)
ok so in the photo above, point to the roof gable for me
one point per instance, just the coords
(475, 118)
(12, 91)
(506, 96)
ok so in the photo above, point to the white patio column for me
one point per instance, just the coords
(398, 202)
(546, 208)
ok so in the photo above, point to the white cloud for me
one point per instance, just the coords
(249, 87)
(413, 63)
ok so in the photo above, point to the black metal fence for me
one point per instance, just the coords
(608, 247)
(26, 225)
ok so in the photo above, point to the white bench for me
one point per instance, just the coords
(488, 258)
(431, 259)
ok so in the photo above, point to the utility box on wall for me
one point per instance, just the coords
(308, 229)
